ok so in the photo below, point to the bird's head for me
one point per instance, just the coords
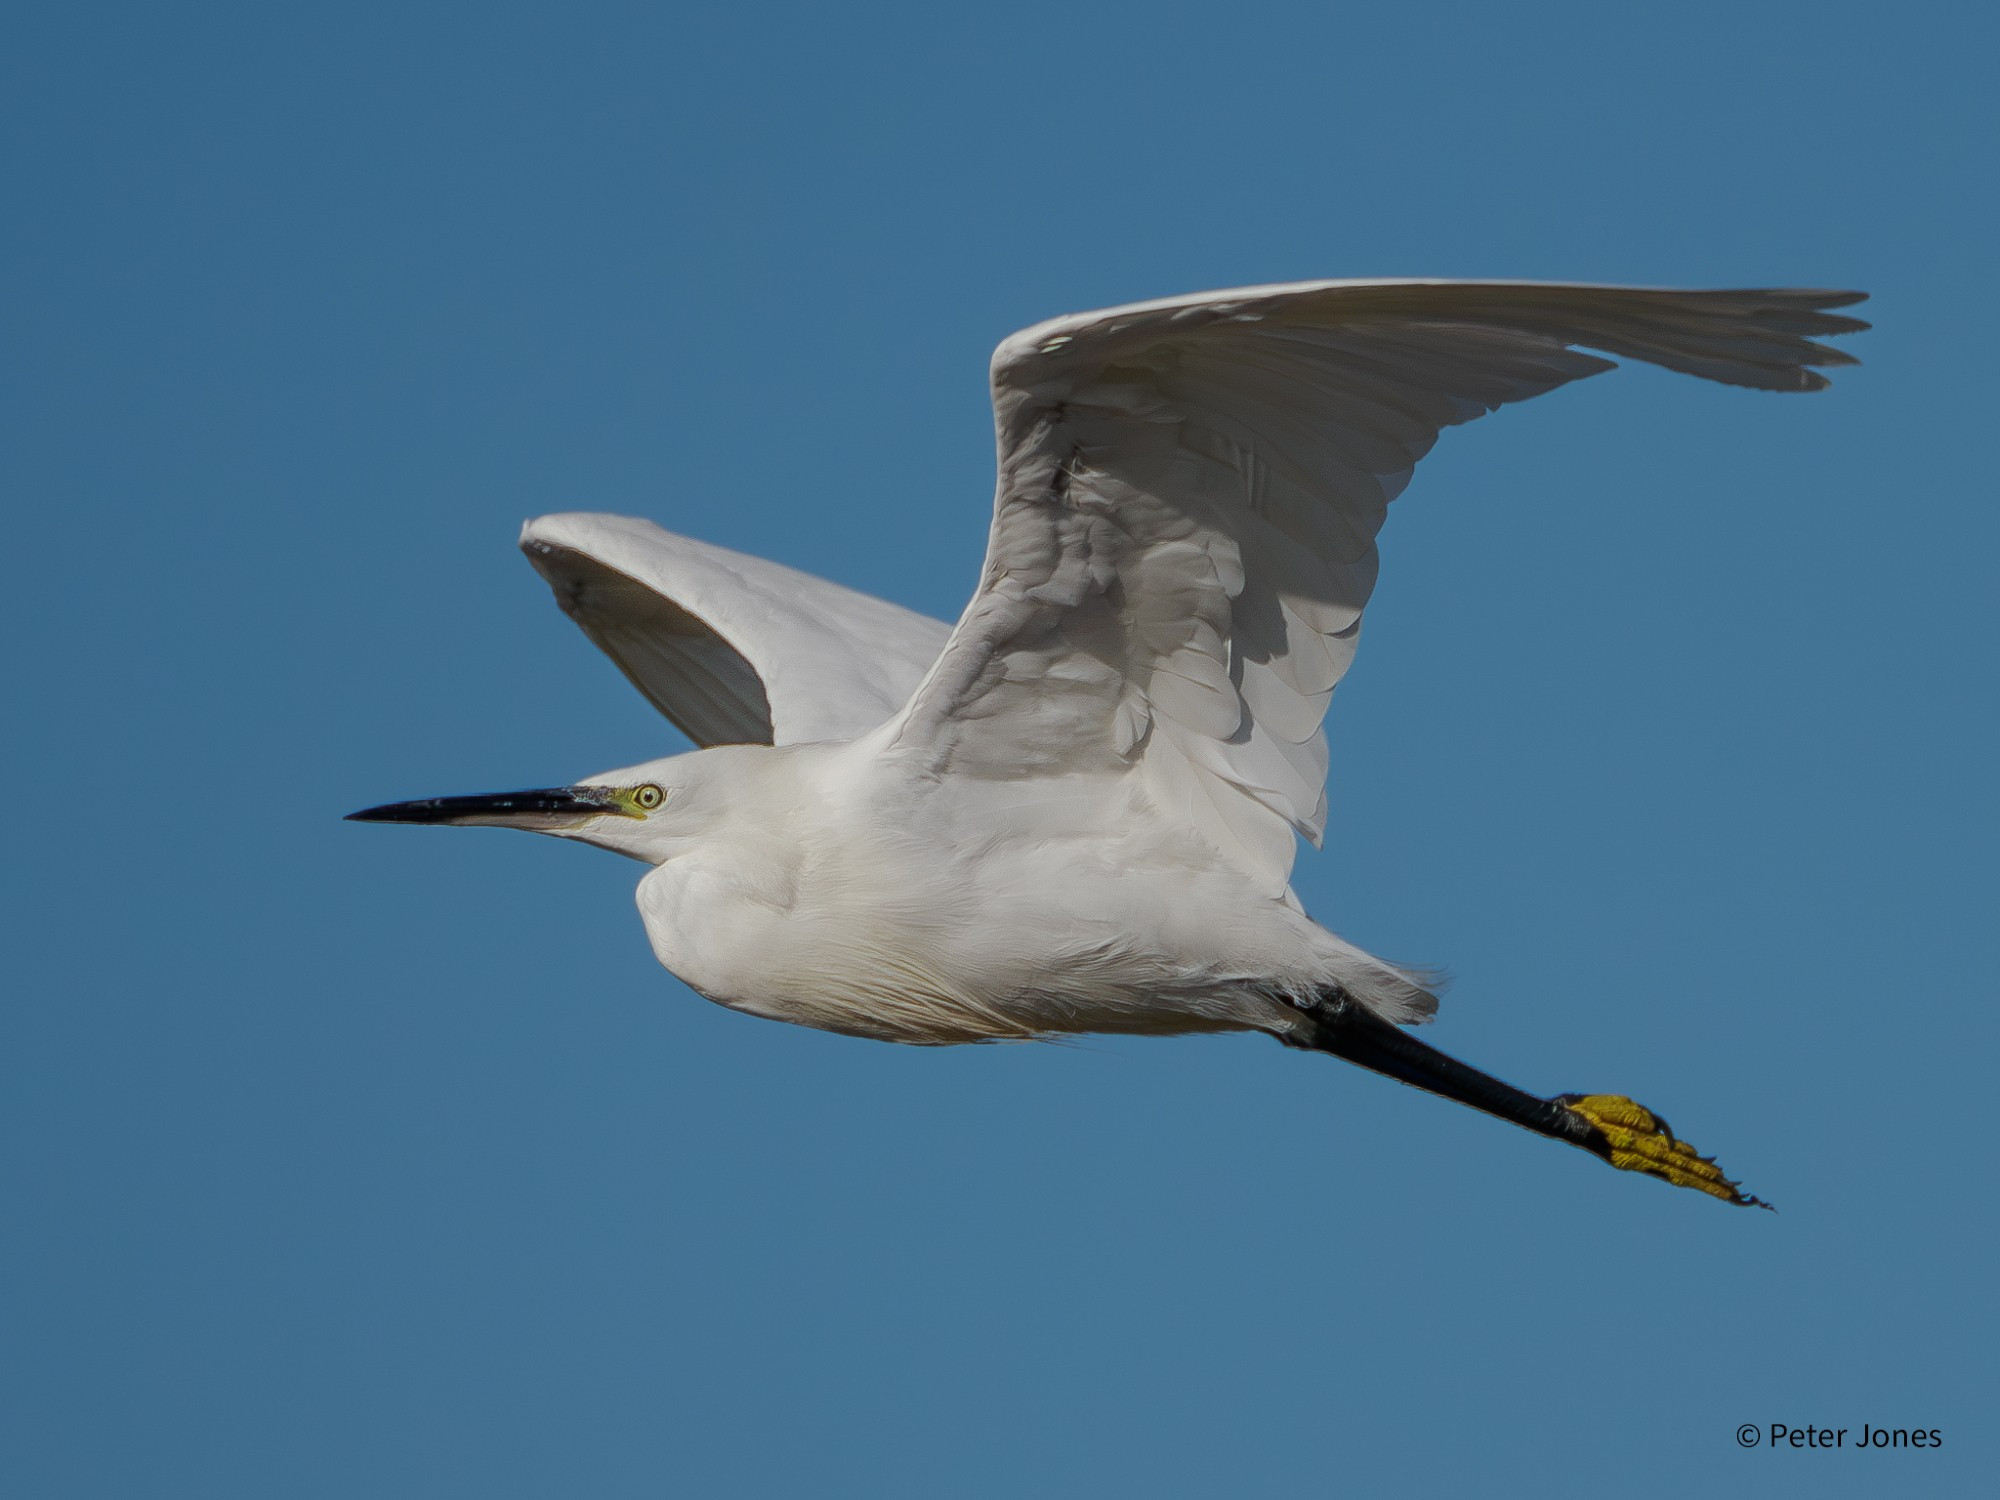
(645, 812)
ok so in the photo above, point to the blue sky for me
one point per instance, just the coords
(351, 1160)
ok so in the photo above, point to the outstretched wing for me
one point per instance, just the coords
(1189, 492)
(733, 649)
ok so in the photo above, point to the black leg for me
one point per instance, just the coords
(1608, 1126)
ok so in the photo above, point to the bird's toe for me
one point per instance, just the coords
(1634, 1139)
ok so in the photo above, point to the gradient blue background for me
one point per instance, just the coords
(359, 1161)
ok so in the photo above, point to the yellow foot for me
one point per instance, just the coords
(1637, 1140)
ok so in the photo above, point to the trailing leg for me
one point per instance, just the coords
(1608, 1126)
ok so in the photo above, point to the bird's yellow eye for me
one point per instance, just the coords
(649, 796)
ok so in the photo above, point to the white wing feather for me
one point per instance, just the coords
(1189, 493)
(731, 648)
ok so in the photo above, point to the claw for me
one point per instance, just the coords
(1634, 1139)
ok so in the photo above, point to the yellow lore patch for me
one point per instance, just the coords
(1640, 1141)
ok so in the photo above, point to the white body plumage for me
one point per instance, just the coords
(834, 886)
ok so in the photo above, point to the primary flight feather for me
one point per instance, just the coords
(1075, 810)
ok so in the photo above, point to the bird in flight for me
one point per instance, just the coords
(1076, 809)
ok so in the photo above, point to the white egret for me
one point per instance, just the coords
(1075, 810)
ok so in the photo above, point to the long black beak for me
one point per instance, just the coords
(548, 807)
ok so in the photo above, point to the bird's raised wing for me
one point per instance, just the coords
(1189, 492)
(733, 649)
